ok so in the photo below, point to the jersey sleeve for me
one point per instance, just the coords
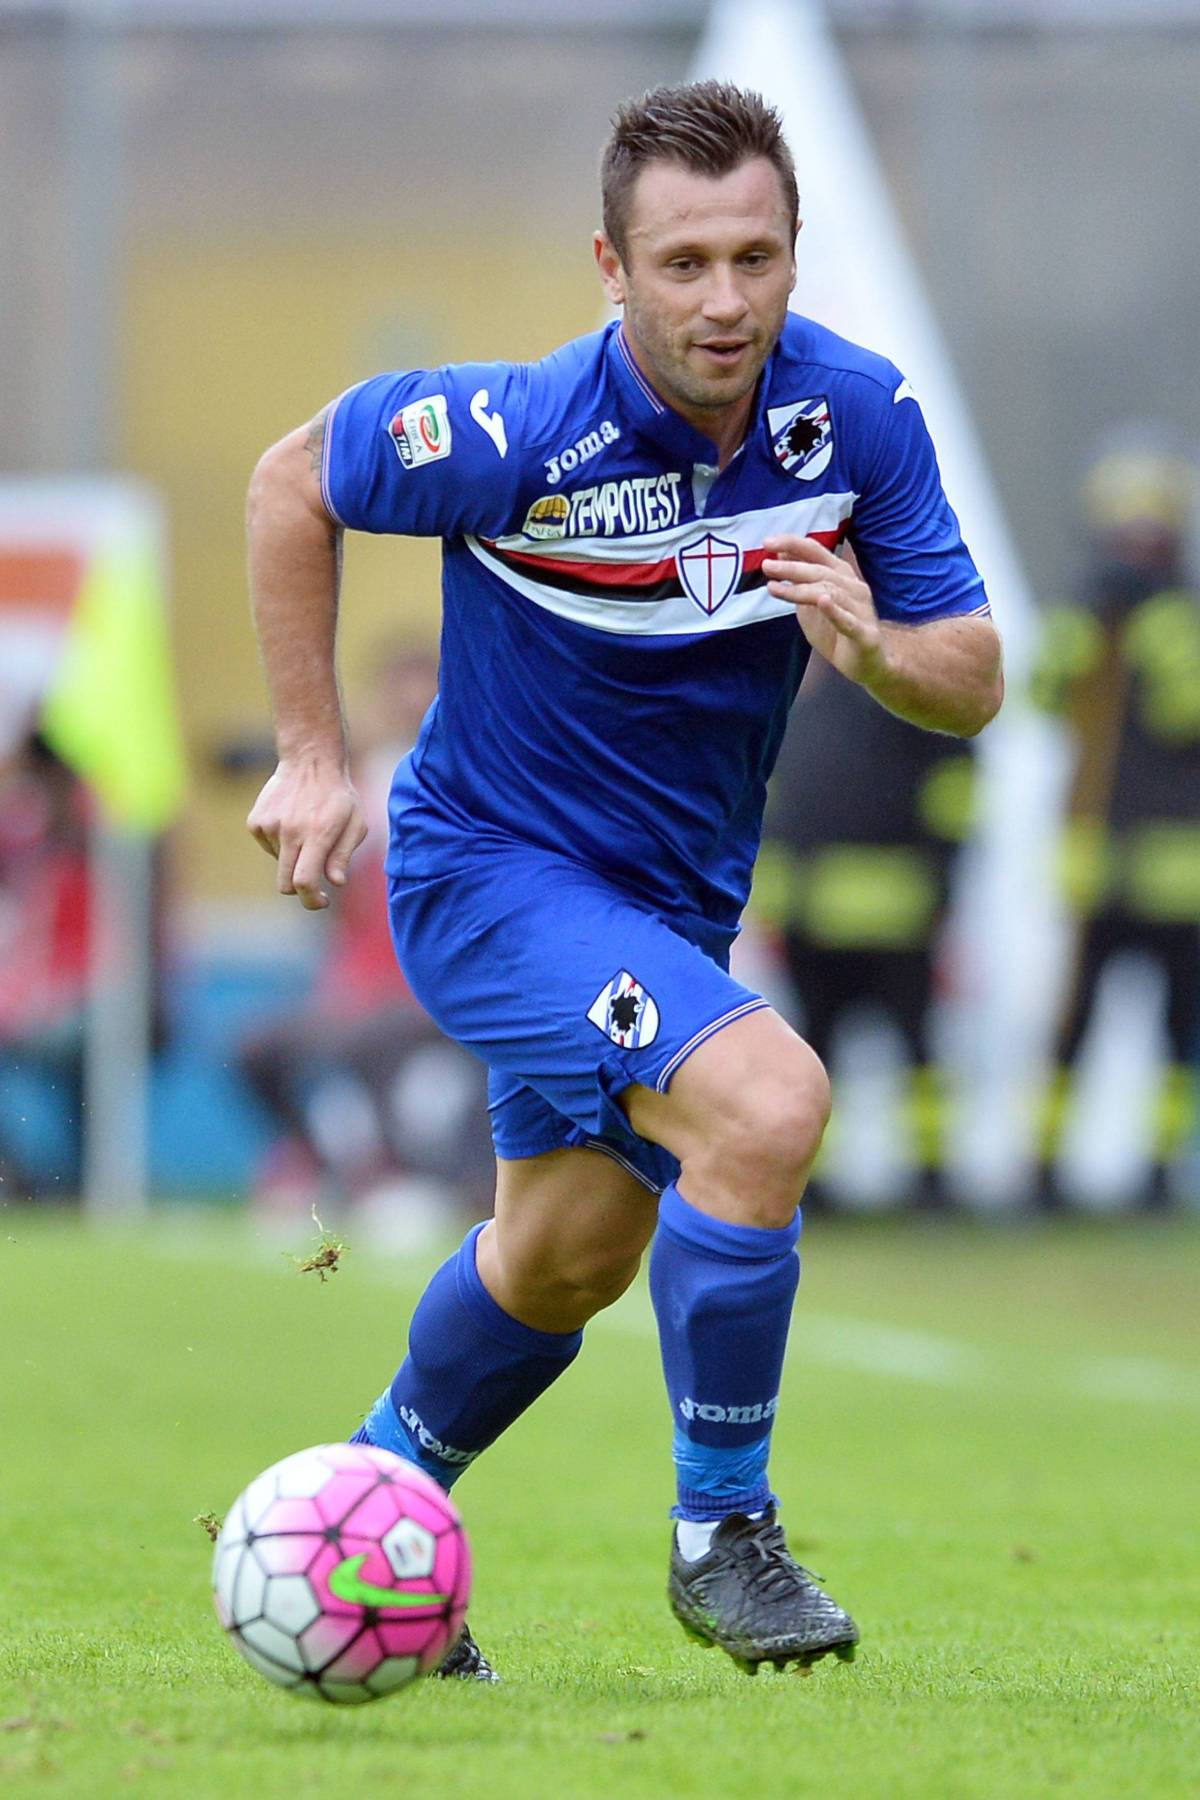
(426, 453)
(903, 530)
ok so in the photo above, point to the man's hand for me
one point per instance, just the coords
(833, 604)
(944, 675)
(309, 819)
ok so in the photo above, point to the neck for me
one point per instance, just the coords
(725, 425)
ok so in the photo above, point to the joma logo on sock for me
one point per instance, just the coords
(427, 1441)
(729, 1415)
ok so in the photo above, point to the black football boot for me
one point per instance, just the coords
(747, 1594)
(465, 1661)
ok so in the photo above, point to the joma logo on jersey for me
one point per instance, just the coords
(581, 451)
(729, 1415)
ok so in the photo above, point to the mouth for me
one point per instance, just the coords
(724, 352)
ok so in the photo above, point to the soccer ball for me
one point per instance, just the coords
(342, 1573)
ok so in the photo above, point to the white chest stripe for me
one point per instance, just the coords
(679, 615)
(817, 512)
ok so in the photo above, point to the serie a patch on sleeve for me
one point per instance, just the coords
(421, 431)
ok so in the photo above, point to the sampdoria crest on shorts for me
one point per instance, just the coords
(802, 437)
(625, 1012)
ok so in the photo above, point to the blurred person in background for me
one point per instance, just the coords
(864, 820)
(1121, 666)
(377, 1107)
(44, 952)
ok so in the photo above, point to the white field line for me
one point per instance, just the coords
(888, 1349)
(1139, 1378)
(832, 1340)
(842, 1342)
(894, 1352)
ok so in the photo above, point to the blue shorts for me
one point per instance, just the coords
(569, 989)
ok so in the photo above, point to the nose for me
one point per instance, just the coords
(724, 302)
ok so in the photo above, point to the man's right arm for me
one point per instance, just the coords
(307, 816)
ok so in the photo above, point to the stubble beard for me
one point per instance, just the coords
(684, 388)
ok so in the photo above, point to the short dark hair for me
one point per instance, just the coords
(710, 127)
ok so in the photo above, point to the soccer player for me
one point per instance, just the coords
(640, 538)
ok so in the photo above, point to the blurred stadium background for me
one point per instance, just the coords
(214, 217)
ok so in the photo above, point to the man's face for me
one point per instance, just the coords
(709, 266)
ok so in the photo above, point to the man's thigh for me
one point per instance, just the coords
(568, 989)
(744, 1116)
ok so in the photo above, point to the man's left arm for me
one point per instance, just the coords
(944, 674)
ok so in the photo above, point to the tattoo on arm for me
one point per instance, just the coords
(314, 443)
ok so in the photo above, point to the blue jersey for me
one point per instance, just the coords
(615, 677)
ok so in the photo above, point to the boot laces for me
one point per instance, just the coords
(769, 1565)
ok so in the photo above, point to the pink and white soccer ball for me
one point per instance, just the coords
(342, 1573)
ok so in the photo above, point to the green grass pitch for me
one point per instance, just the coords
(989, 1447)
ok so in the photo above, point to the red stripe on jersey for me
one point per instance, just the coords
(636, 574)
(605, 574)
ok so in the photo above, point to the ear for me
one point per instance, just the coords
(799, 229)
(612, 275)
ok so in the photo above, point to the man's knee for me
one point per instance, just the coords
(567, 1239)
(772, 1127)
(599, 1276)
(568, 1281)
(747, 1139)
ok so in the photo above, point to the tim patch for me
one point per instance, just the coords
(625, 1012)
(421, 431)
(802, 437)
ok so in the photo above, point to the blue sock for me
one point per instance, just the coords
(471, 1369)
(723, 1298)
